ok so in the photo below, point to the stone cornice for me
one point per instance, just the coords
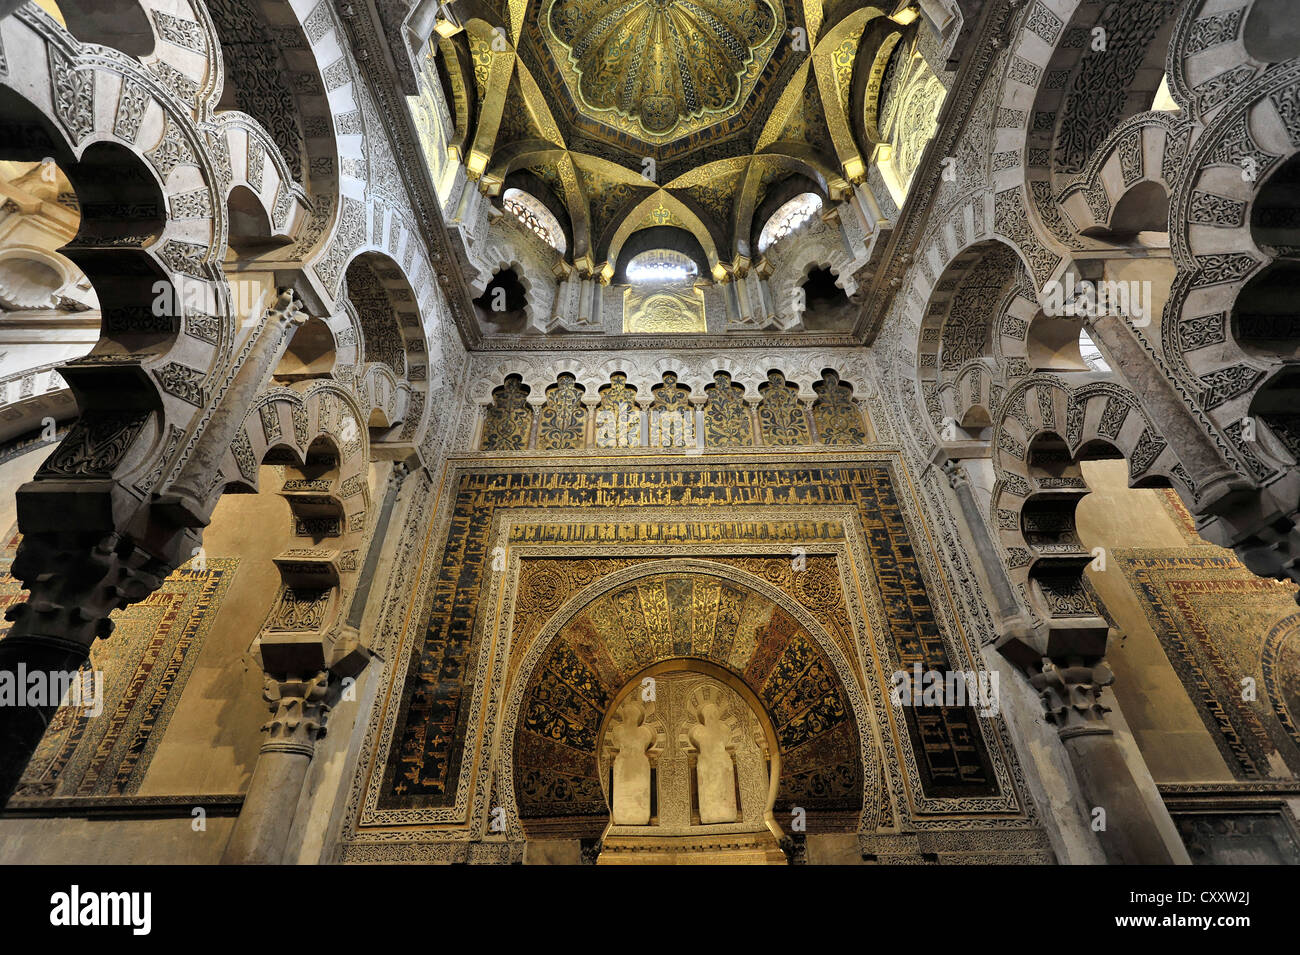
(570, 342)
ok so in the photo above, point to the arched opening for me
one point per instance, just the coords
(1277, 406)
(123, 26)
(256, 79)
(1109, 76)
(1275, 213)
(250, 230)
(310, 353)
(369, 278)
(1264, 317)
(789, 218)
(826, 305)
(1141, 214)
(1272, 33)
(1053, 344)
(122, 209)
(71, 257)
(108, 179)
(502, 306)
(777, 196)
(49, 311)
(686, 742)
(975, 425)
(670, 239)
(661, 267)
(508, 418)
(536, 217)
(28, 281)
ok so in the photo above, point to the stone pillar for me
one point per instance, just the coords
(865, 205)
(299, 706)
(361, 596)
(751, 405)
(535, 404)
(697, 416)
(298, 711)
(729, 300)
(1138, 829)
(591, 401)
(589, 302)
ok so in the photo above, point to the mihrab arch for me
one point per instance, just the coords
(697, 615)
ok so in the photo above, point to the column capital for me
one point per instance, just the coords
(298, 710)
(1070, 691)
(287, 310)
(75, 584)
(956, 474)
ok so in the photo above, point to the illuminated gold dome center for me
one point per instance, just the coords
(661, 69)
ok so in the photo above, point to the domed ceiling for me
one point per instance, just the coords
(664, 79)
(659, 70)
(700, 116)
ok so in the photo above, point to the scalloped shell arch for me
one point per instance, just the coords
(661, 69)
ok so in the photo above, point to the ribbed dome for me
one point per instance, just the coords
(659, 68)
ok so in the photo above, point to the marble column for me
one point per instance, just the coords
(1128, 815)
(1112, 778)
(298, 710)
(1008, 618)
(188, 500)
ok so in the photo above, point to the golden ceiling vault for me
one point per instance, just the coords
(694, 119)
(660, 69)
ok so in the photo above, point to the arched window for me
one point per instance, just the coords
(661, 266)
(530, 211)
(1090, 353)
(791, 217)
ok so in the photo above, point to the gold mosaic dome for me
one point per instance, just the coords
(661, 69)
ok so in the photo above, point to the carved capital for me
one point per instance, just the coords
(1071, 696)
(298, 710)
(75, 583)
(956, 474)
(287, 310)
(401, 471)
